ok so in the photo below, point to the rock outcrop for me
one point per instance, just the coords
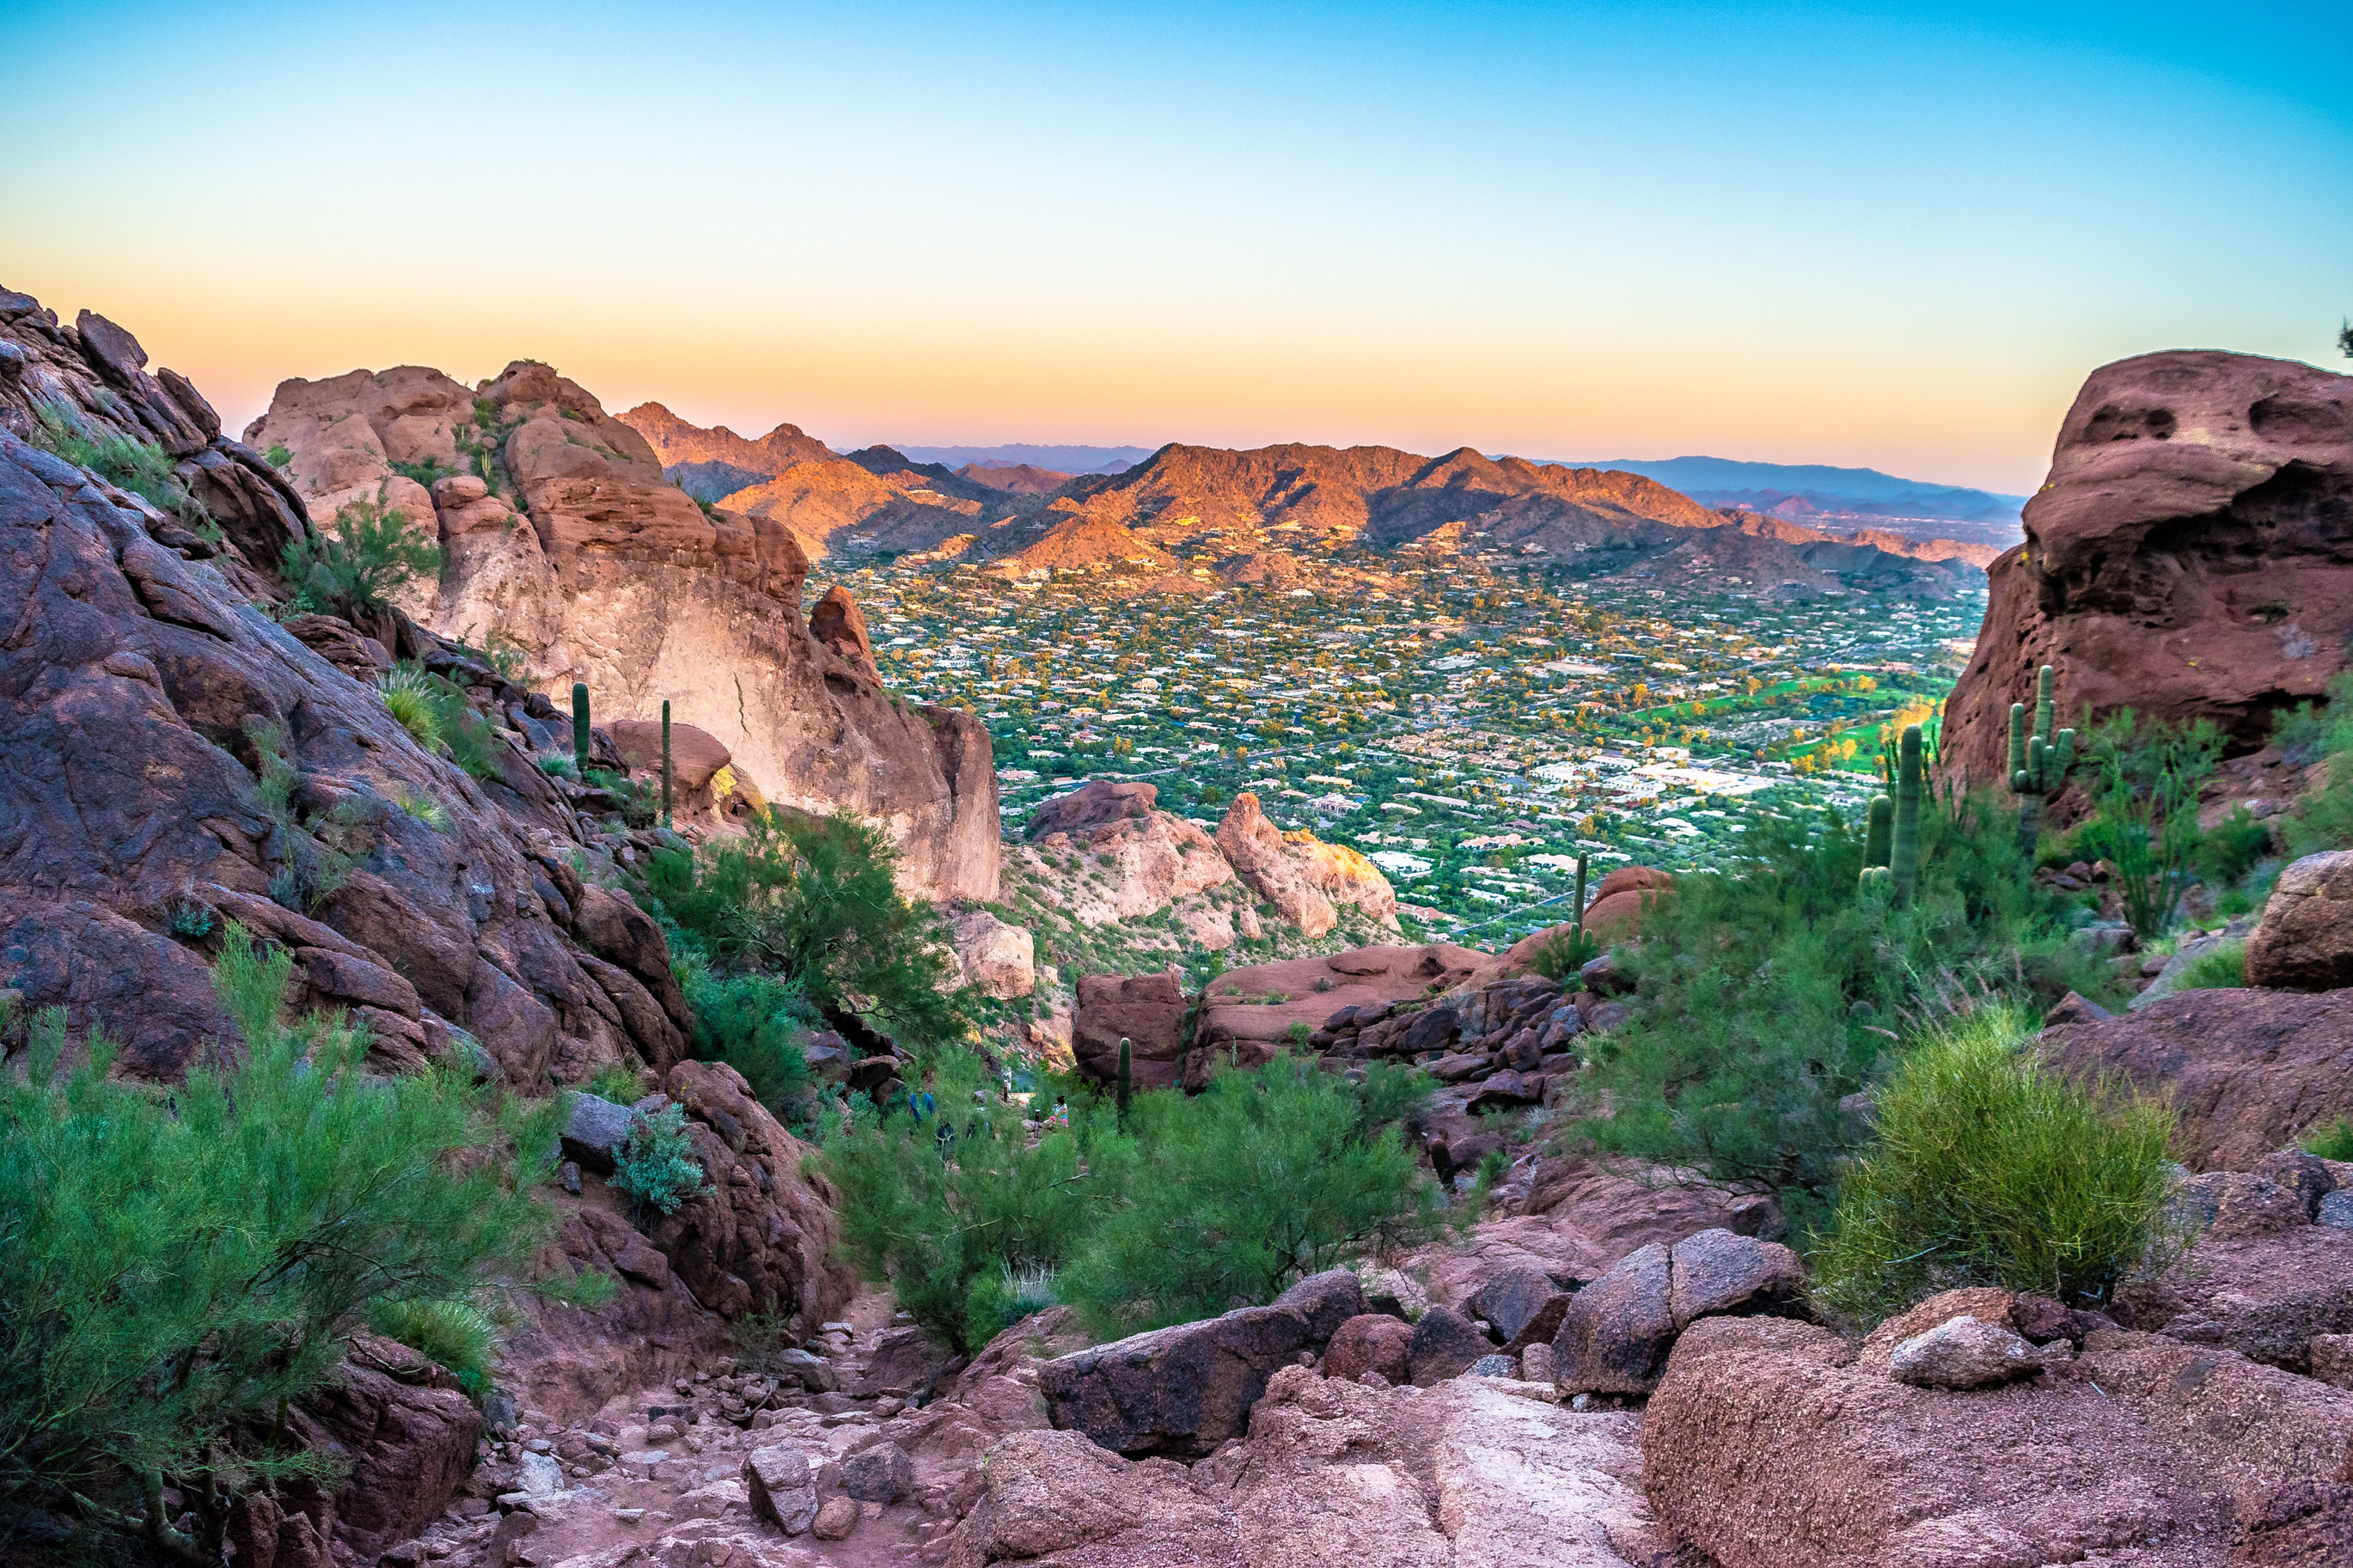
(2305, 940)
(1303, 877)
(1768, 1444)
(561, 535)
(2191, 557)
(2247, 1070)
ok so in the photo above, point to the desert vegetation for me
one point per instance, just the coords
(180, 1265)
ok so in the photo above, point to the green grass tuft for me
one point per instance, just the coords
(2331, 1143)
(1987, 1168)
(456, 1333)
(2217, 969)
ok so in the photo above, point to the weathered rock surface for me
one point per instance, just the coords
(2247, 1070)
(1766, 1444)
(1463, 1476)
(1375, 1342)
(1616, 1333)
(1147, 1011)
(1249, 1014)
(1444, 1345)
(1963, 1353)
(2266, 1296)
(596, 569)
(999, 959)
(2187, 556)
(2305, 940)
(407, 1446)
(1137, 860)
(1180, 1390)
(1300, 875)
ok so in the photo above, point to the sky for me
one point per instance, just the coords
(1895, 237)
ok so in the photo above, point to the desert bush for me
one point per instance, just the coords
(179, 1265)
(759, 1024)
(2323, 818)
(658, 1166)
(2334, 1141)
(1767, 996)
(424, 807)
(2230, 848)
(619, 1083)
(349, 567)
(813, 901)
(1987, 1168)
(462, 1335)
(1268, 1176)
(2219, 968)
(2145, 780)
(143, 468)
(408, 697)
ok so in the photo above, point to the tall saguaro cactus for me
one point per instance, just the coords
(1127, 1088)
(666, 770)
(1878, 832)
(580, 726)
(2038, 761)
(1904, 835)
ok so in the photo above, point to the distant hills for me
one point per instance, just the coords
(1064, 460)
(1192, 519)
(1819, 494)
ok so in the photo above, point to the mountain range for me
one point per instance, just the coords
(1188, 515)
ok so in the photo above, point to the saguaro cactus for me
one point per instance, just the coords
(665, 772)
(1903, 834)
(1878, 832)
(1126, 1092)
(2038, 761)
(580, 726)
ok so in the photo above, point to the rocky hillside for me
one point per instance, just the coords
(2191, 555)
(564, 543)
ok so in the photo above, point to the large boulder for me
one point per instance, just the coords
(705, 784)
(2247, 1070)
(1375, 1342)
(2305, 940)
(1179, 1390)
(1766, 1444)
(1444, 1344)
(1616, 1333)
(2266, 1295)
(404, 1439)
(2190, 557)
(1098, 803)
(1146, 1010)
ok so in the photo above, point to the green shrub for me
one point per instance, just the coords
(996, 1302)
(2145, 782)
(425, 471)
(1268, 1176)
(658, 1166)
(1986, 1168)
(277, 456)
(347, 571)
(814, 900)
(758, 1025)
(2331, 1143)
(143, 468)
(424, 807)
(619, 1083)
(176, 1266)
(458, 1333)
(1767, 994)
(2231, 848)
(2323, 818)
(2218, 968)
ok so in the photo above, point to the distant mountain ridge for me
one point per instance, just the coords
(1015, 454)
(1818, 493)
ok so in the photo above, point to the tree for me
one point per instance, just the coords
(348, 571)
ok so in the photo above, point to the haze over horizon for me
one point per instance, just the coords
(1893, 238)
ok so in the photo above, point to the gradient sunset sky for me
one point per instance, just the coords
(1896, 235)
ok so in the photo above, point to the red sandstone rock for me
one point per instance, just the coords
(1300, 875)
(1148, 1010)
(2187, 557)
(2305, 940)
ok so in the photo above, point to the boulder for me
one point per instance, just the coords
(1374, 1343)
(837, 1519)
(1327, 1301)
(902, 1362)
(1963, 1353)
(1717, 1272)
(2266, 1296)
(1179, 1390)
(2305, 940)
(1616, 1333)
(1148, 1010)
(883, 1474)
(1444, 1345)
(782, 1487)
(999, 959)
(1765, 1445)
(2249, 1071)
(594, 1130)
(1988, 1303)
(2187, 557)
(405, 1447)
(1516, 1298)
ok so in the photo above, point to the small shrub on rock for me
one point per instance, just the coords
(347, 568)
(460, 1335)
(1987, 1168)
(658, 1166)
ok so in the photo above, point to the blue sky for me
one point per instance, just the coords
(1893, 237)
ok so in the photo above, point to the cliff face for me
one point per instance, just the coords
(2191, 555)
(563, 540)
